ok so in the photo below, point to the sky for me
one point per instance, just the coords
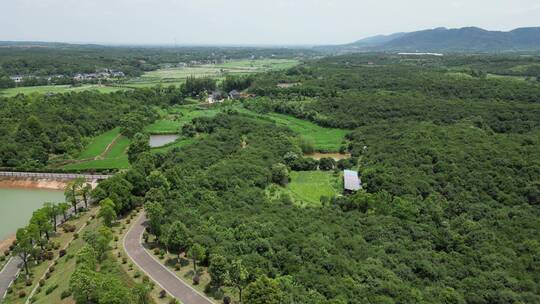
(248, 22)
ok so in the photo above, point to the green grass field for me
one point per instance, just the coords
(176, 76)
(308, 186)
(99, 144)
(324, 139)
(178, 117)
(57, 89)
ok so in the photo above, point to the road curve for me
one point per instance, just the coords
(155, 270)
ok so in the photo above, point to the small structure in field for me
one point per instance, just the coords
(234, 94)
(216, 96)
(351, 181)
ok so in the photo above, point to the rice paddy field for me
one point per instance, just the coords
(177, 75)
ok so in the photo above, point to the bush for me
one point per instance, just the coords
(76, 236)
(7, 252)
(2, 258)
(51, 289)
(10, 290)
(128, 221)
(47, 275)
(162, 294)
(49, 255)
(65, 294)
(124, 260)
(28, 282)
(69, 228)
(173, 301)
(136, 274)
(22, 294)
(51, 269)
(227, 300)
(116, 238)
(62, 252)
(156, 251)
(41, 282)
(196, 279)
(145, 279)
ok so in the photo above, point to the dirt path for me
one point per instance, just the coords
(155, 270)
(109, 147)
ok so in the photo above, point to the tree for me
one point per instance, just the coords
(280, 174)
(141, 293)
(139, 144)
(24, 247)
(218, 270)
(99, 240)
(106, 212)
(87, 257)
(84, 285)
(52, 210)
(155, 213)
(84, 192)
(238, 277)
(71, 191)
(327, 163)
(178, 239)
(156, 179)
(63, 208)
(41, 219)
(264, 291)
(196, 253)
(111, 291)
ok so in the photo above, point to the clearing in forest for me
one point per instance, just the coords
(309, 186)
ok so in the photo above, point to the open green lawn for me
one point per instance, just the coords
(99, 144)
(309, 186)
(57, 89)
(178, 117)
(324, 139)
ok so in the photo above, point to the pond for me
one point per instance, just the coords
(162, 140)
(17, 205)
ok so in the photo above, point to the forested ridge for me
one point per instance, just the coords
(449, 209)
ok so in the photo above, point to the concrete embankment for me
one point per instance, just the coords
(32, 183)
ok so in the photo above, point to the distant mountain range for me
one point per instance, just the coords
(467, 39)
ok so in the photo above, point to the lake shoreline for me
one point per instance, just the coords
(32, 183)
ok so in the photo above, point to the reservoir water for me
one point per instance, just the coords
(161, 140)
(17, 205)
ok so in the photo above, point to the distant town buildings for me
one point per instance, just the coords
(103, 74)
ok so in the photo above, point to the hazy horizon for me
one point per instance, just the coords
(248, 23)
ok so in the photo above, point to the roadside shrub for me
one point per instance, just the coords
(116, 238)
(128, 221)
(119, 254)
(7, 252)
(28, 282)
(124, 260)
(177, 267)
(62, 252)
(51, 269)
(162, 294)
(10, 290)
(156, 251)
(22, 294)
(76, 236)
(51, 289)
(65, 294)
(2, 258)
(49, 255)
(41, 282)
(136, 274)
(68, 228)
(226, 300)
(145, 279)
(47, 275)
(196, 279)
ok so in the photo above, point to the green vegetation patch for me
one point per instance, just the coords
(99, 144)
(310, 186)
(324, 139)
(58, 89)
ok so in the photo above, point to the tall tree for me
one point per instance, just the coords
(178, 239)
(71, 192)
(84, 191)
(139, 144)
(24, 247)
(264, 291)
(238, 277)
(196, 253)
(106, 212)
(63, 208)
(218, 270)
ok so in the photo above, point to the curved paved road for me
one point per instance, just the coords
(155, 270)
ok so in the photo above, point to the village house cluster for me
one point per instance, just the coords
(101, 74)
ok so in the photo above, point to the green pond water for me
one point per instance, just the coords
(17, 205)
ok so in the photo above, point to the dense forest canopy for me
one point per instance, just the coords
(450, 207)
(54, 59)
